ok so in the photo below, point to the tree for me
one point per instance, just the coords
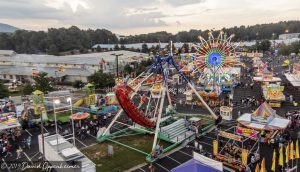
(43, 83)
(143, 66)
(185, 48)
(3, 90)
(117, 47)
(98, 49)
(145, 48)
(102, 80)
(128, 69)
(27, 89)
(285, 50)
(265, 45)
(53, 50)
(78, 84)
(123, 47)
(288, 49)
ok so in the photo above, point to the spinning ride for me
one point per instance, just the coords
(145, 109)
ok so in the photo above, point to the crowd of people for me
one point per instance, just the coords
(89, 125)
(11, 141)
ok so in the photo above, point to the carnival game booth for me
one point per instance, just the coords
(8, 120)
(266, 76)
(265, 121)
(257, 63)
(234, 148)
(273, 93)
(199, 163)
(226, 112)
(294, 77)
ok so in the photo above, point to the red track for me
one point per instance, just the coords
(137, 116)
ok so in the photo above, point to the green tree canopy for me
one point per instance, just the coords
(145, 48)
(3, 90)
(288, 49)
(117, 47)
(43, 83)
(78, 84)
(128, 69)
(27, 89)
(102, 80)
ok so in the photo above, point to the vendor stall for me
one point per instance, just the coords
(8, 120)
(273, 93)
(264, 120)
(294, 76)
(234, 149)
(226, 112)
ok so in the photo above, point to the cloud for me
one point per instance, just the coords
(92, 13)
(184, 2)
(28, 9)
(142, 16)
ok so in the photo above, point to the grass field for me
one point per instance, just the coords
(123, 158)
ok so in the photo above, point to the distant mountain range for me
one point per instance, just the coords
(7, 28)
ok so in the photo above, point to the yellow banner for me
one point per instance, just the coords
(244, 157)
(215, 147)
(230, 136)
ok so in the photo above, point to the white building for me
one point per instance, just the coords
(75, 67)
(289, 36)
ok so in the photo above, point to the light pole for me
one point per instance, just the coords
(70, 101)
(42, 130)
(56, 102)
(38, 101)
(117, 62)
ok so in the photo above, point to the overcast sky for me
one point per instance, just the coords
(143, 16)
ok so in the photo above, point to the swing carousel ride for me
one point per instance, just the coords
(147, 106)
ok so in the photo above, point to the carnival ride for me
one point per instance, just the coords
(144, 105)
(211, 66)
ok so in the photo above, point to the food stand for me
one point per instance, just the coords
(263, 120)
(273, 93)
(226, 112)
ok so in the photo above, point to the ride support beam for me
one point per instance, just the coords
(159, 118)
(202, 101)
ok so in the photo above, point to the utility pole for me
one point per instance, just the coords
(117, 63)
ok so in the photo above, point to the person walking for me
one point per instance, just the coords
(8, 151)
(19, 152)
(28, 142)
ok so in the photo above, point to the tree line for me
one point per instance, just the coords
(242, 33)
(55, 41)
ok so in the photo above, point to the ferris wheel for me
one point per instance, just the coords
(215, 54)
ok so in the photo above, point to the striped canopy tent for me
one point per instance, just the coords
(264, 110)
(264, 118)
(80, 115)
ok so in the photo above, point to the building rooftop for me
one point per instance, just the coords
(52, 72)
(6, 52)
(81, 59)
